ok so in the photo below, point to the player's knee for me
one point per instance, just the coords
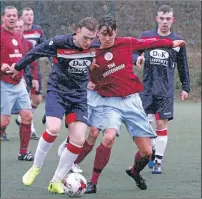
(77, 139)
(161, 124)
(146, 152)
(5, 121)
(53, 129)
(26, 116)
(109, 139)
(94, 132)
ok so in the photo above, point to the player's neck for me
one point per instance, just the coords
(75, 41)
(163, 33)
(27, 26)
(8, 29)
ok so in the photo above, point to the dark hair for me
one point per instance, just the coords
(164, 9)
(89, 22)
(27, 9)
(109, 22)
(8, 8)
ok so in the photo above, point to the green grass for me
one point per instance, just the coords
(181, 176)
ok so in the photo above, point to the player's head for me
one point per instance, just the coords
(27, 15)
(107, 31)
(19, 27)
(86, 32)
(9, 17)
(165, 18)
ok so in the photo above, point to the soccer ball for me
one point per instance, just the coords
(75, 184)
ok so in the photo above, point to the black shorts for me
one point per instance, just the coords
(162, 107)
(28, 79)
(58, 106)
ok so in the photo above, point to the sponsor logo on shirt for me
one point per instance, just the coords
(15, 55)
(159, 57)
(159, 54)
(113, 69)
(76, 63)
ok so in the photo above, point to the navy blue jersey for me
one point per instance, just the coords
(70, 69)
(159, 66)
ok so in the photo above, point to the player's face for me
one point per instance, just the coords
(19, 27)
(85, 37)
(28, 17)
(165, 21)
(10, 18)
(106, 38)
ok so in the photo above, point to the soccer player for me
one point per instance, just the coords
(27, 46)
(34, 34)
(158, 80)
(13, 90)
(115, 81)
(66, 95)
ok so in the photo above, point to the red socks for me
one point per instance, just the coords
(101, 159)
(25, 132)
(87, 148)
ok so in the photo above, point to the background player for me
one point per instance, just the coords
(35, 35)
(13, 90)
(158, 80)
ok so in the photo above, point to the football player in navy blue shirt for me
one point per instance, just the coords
(158, 80)
(66, 95)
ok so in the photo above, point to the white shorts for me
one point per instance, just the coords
(14, 98)
(113, 111)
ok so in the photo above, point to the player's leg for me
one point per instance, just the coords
(95, 115)
(89, 143)
(23, 104)
(111, 121)
(87, 148)
(77, 126)
(36, 98)
(8, 98)
(150, 108)
(165, 113)
(141, 131)
(5, 121)
(102, 156)
(54, 115)
(152, 120)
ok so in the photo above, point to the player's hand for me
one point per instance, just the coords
(178, 43)
(94, 65)
(5, 67)
(35, 85)
(140, 61)
(91, 85)
(12, 70)
(184, 95)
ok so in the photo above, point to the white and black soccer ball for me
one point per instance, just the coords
(75, 185)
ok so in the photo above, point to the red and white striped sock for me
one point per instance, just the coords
(161, 143)
(69, 155)
(44, 145)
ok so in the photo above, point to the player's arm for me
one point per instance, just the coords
(142, 44)
(183, 70)
(45, 49)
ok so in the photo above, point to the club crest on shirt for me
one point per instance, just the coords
(108, 56)
(14, 42)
